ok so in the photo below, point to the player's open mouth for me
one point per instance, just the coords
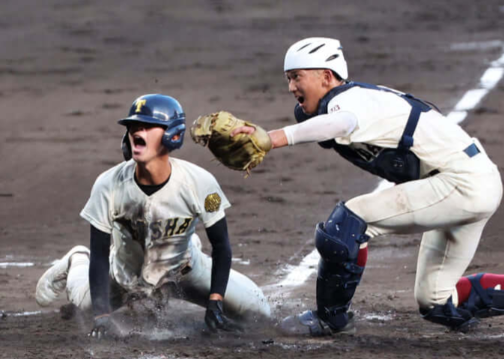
(138, 142)
(300, 100)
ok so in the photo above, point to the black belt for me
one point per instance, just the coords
(472, 150)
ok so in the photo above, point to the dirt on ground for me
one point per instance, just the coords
(69, 69)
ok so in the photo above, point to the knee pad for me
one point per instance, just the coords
(483, 303)
(339, 238)
(338, 241)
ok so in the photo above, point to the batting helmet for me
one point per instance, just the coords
(159, 110)
(317, 53)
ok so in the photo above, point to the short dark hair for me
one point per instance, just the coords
(338, 77)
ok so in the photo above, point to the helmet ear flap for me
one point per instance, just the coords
(171, 143)
(126, 147)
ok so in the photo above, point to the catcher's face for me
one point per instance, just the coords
(308, 87)
(146, 141)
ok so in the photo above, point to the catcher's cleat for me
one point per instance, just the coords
(53, 282)
(309, 323)
(456, 319)
(484, 303)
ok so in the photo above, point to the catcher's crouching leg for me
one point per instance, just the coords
(338, 242)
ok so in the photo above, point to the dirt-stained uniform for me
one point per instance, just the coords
(154, 240)
(151, 231)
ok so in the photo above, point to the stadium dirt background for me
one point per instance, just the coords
(69, 69)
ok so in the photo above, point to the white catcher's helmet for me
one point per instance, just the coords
(317, 53)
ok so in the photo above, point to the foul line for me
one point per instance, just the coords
(12, 264)
(491, 77)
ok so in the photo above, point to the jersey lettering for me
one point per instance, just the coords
(155, 228)
(170, 226)
(159, 229)
(334, 108)
(183, 227)
(138, 228)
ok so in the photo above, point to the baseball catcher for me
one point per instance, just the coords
(446, 188)
(240, 152)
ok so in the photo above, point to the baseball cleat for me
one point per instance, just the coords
(308, 323)
(53, 282)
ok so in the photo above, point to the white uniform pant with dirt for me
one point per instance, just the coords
(242, 298)
(450, 208)
(77, 287)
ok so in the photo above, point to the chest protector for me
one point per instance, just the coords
(396, 165)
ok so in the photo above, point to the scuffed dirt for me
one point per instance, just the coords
(70, 69)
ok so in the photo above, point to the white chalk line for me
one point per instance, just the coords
(241, 261)
(490, 78)
(472, 98)
(15, 264)
(471, 46)
(378, 317)
(26, 314)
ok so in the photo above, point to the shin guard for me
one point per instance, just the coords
(338, 241)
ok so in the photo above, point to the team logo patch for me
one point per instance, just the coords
(212, 202)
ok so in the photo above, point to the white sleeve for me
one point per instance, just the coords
(97, 209)
(322, 128)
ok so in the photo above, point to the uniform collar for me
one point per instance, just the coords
(322, 107)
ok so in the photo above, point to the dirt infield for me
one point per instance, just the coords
(69, 69)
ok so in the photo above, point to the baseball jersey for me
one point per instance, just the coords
(381, 119)
(151, 234)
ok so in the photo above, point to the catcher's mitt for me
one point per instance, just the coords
(241, 152)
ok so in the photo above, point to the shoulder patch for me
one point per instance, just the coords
(212, 202)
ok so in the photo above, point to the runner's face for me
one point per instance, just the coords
(308, 88)
(146, 141)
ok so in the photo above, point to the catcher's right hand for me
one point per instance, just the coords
(241, 152)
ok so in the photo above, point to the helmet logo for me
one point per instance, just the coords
(139, 105)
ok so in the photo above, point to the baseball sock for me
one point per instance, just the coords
(362, 257)
(488, 280)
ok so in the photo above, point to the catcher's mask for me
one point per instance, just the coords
(159, 110)
(317, 53)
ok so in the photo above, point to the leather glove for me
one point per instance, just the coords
(216, 320)
(241, 152)
(102, 325)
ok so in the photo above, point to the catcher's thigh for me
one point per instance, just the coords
(242, 298)
(442, 201)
